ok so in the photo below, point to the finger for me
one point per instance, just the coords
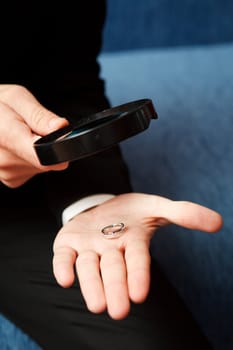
(194, 216)
(41, 120)
(87, 267)
(15, 135)
(186, 214)
(137, 259)
(14, 181)
(63, 265)
(17, 138)
(14, 171)
(114, 278)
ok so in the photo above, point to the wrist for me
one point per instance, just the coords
(84, 204)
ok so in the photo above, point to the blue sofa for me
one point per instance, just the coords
(179, 54)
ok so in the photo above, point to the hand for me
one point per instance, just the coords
(113, 272)
(22, 121)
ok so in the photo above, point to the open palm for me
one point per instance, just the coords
(114, 272)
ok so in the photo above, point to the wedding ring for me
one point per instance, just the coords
(113, 230)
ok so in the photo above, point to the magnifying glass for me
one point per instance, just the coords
(95, 133)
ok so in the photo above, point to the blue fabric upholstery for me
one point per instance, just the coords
(12, 338)
(136, 24)
(187, 153)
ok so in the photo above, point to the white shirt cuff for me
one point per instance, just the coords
(84, 204)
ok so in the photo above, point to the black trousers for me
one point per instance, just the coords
(57, 318)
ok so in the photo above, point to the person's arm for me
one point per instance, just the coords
(23, 120)
(104, 173)
(84, 204)
(59, 67)
(115, 272)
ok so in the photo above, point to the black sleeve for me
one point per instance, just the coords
(53, 51)
(102, 173)
(80, 91)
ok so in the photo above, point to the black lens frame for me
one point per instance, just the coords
(95, 133)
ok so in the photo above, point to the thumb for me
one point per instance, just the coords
(42, 121)
(183, 213)
(39, 119)
(192, 216)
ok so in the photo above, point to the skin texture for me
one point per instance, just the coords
(114, 272)
(111, 273)
(23, 120)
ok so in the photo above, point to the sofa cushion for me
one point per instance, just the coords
(137, 24)
(187, 154)
(12, 338)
